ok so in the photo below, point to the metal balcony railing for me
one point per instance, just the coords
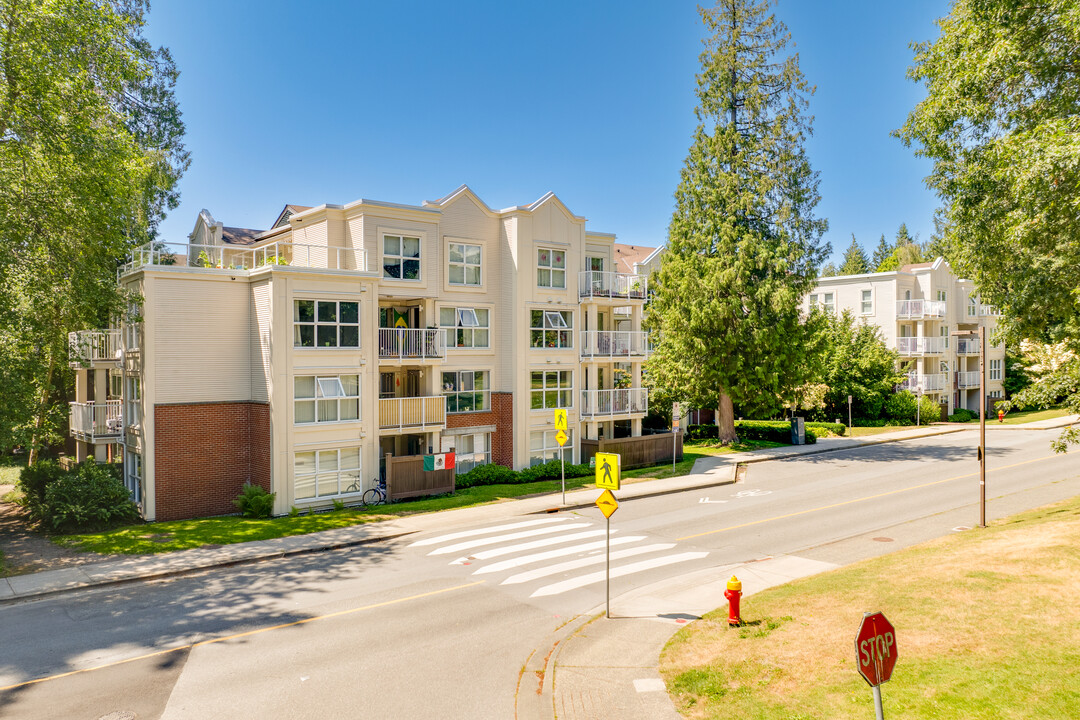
(228, 257)
(926, 383)
(593, 283)
(967, 347)
(906, 309)
(413, 344)
(614, 343)
(920, 345)
(96, 422)
(621, 401)
(412, 413)
(967, 379)
(87, 347)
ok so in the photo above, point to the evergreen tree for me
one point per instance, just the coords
(828, 270)
(855, 262)
(743, 243)
(881, 254)
(903, 237)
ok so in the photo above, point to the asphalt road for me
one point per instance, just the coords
(439, 625)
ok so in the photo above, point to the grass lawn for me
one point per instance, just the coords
(864, 431)
(692, 450)
(1017, 417)
(986, 620)
(10, 467)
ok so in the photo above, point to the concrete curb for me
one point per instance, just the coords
(535, 697)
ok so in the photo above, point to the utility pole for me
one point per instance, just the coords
(982, 427)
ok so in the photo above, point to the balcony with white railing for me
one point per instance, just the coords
(967, 347)
(89, 347)
(412, 343)
(614, 343)
(597, 284)
(239, 258)
(909, 346)
(967, 380)
(926, 383)
(412, 413)
(96, 422)
(919, 309)
(988, 311)
(619, 401)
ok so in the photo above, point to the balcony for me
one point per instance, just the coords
(87, 348)
(967, 347)
(988, 311)
(910, 346)
(608, 403)
(967, 380)
(239, 259)
(919, 309)
(614, 343)
(411, 344)
(96, 422)
(916, 382)
(595, 284)
(412, 413)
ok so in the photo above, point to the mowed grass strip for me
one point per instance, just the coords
(987, 626)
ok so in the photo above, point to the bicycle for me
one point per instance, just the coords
(375, 495)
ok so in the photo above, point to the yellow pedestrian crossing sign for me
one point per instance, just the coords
(561, 437)
(607, 503)
(607, 470)
(560, 421)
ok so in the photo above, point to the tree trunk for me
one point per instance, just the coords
(727, 419)
(42, 409)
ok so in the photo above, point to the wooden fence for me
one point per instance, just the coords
(406, 478)
(635, 452)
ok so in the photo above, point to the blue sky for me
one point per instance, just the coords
(404, 101)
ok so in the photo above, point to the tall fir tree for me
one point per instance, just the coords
(744, 243)
(881, 254)
(855, 262)
(903, 237)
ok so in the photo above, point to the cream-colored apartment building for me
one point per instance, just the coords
(918, 308)
(300, 357)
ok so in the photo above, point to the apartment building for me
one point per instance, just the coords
(300, 357)
(918, 308)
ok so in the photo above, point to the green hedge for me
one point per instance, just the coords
(962, 415)
(778, 431)
(827, 427)
(500, 475)
(87, 497)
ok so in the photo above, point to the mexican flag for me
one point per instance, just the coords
(442, 461)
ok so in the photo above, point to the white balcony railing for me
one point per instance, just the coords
(614, 343)
(968, 379)
(228, 257)
(412, 413)
(412, 343)
(920, 309)
(621, 401)
(926, 383)
(593, 283)
(988, 311)
(967, 347)
(94, 422)
(87, 347)
(920, 345)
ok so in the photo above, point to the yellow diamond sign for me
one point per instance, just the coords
(607, 503)
(607, 470)
(561, 437)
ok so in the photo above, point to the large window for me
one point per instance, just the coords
(543, 447)
(551, 329)
(469, 450)
(326, 473)
(466, 391)
(464, 264)
(550, 268)
(401, 257)
(995, 369)
(326, 323)
(468, 327)
(326, 399)
(133, 401)
(826, 301)
(552, 389)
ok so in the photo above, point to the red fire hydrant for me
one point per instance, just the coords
(733, 595)
(1001, 416)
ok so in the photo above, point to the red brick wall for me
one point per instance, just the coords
(502, 417)
(204, 453)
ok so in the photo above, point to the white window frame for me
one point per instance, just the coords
(315, 324)
(549, 447)
(465, 460)
(464, 264)
(550, 268)
(828, 301)
(347, 481)
(465, 327)
(133, 401)
(401, 257)
(942, 296)
(461, 376)
(995, 369)
(563, 394)
(329, 392)
(972, 306)
(563, 335)
(866, 302)
(944, 333)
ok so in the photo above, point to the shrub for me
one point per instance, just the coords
(901, 407)
(88, 497)
(33, 480)
(834, 428)
(962, 415)
(489, 474)
(254, 502)
(929, 411)
(702, 432)
(551, 470)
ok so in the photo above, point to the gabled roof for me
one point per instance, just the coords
(916, 266)
(287, 212)
(627, 255)
(459, 192)
(240, 236)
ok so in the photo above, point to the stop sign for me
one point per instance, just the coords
(875, 648)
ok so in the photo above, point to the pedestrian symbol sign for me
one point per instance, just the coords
(607, 470)
(561, 437)
(560, 420)
(607, 503)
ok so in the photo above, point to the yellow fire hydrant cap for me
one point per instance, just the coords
(734, 584)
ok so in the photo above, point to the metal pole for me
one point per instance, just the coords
(607, 571)
(849, 411)
(982, 427)
(562, 473)
(877, 703)
(918, 407)
(674, 447)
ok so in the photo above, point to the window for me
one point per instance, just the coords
(466, 391)
(470, 326)
(386, 385)
(867, 302)
(552, 329)
(829, 303)
(469, 450)
(543, 447)
(464, 264)
(326, 473)
(996, 394)
(326, 323)
(941, 295)
(133, 401)
(596, 264)
(944, 333)
(813, 300)
(552, 389)
(133, 481)
(401, 257)
(972, 307)
(550, 268)
(326, 399)
(995, 369)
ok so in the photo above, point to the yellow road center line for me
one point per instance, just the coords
(862, 499)
(243, 634)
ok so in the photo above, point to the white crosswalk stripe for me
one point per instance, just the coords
(584, 562)
(546, 542)
(582, 581)
(457, 547)
(486, 531)
(550, 554)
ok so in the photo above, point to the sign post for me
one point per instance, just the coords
(561, 437)
(607, 477)
(849, 412)
(875, 654)
(675, 422)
